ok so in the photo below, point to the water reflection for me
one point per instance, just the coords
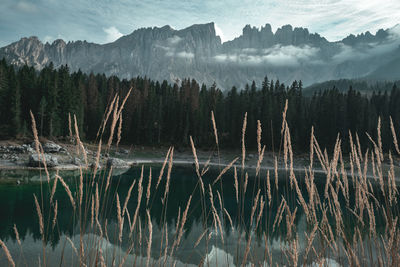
(17, 207)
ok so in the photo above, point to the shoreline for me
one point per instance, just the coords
(137, 155)
(158, 161)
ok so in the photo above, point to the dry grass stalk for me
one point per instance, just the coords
(108, 178)
(259, 161)
(55, 215)
(321, 157)
(105, 230)
(220, 200)
(285, 146)
(225, 170)
(294, 253)
(17, 235)
(39, 213)
(117, 115)
(217, 221)
(120, 220)
(102, 261)
(200, 238)
(290, 216)
(262, 203)
(183, 221)
(178, 220)
(73, 246)
(246, 181)
(80, 186)
(119, 129)
(170, 162)
(396, 145)
(379, 137)
(214, 127)
(301, 199)
(97, 204)
(115, 118)
(124, 101)
(108, 111)
(372, 223)
(229, 218)
(255, 204)
(148, 189)
(69, 125)
(69, 193)
(43, 160)
(243, 139)
(7, 252)
(79, 144)
(163, 167)
(128, 196)
(269, 189)
(206, 167)
(53, 190)
(150, 227)
(129, 218)
(97, 161)
(284, 116)
(140, 192)
(312, 147)
(166, 243)
(236, 185)
(310, 240)
(35, 133)
(279, 213)
(247, 250)
(359, 147)
(196, 161)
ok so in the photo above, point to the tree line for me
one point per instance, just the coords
(161, 113)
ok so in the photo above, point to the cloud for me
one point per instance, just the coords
(279, 56)
(169, 46)
(174, 40)
(48, 39)
(186, 55)
(86, 19)
(26, 7)
(219, 32)
(112, 34)
(367, 50)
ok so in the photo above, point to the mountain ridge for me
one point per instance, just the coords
(164, 53)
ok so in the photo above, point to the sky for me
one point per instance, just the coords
(103, 21)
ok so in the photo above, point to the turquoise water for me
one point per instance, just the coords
(17, 207)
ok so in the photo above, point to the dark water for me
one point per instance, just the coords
(17, 207)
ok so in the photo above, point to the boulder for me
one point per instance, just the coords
(16, 149)
(28, 148)
(93, 166)
(117, 163)
(51, 147)
(36, 161)
(76, 161)
(123, 151)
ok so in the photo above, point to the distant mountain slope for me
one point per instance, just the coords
(197, 52)
(365, 86)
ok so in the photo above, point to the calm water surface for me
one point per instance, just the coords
(17, 207)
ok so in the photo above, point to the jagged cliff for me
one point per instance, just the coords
(197, 52)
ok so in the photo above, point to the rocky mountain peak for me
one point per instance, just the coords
(161, 53)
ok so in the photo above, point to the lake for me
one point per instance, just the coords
(267, 244)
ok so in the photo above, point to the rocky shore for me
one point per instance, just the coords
(60, 156)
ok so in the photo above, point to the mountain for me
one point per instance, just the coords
(197, 52)
(363, 85)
